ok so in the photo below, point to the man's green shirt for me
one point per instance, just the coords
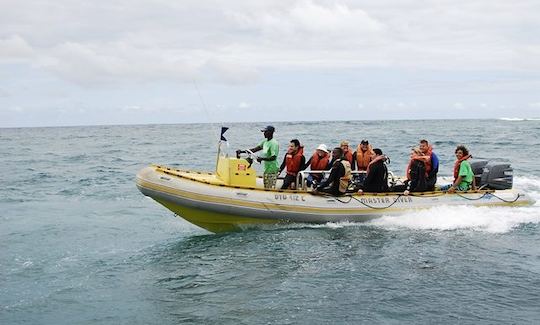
(270, 148)
(466, 173)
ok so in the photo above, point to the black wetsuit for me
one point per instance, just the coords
(331, 185)
(418, 182)
(377, 178)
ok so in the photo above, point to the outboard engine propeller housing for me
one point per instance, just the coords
(497, 176)
(477, 167)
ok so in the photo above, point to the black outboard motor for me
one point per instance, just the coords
(478, 169)
(497, 176)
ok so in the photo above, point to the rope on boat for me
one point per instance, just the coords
(473, 199)
(498, 197)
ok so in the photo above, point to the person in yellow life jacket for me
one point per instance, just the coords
(320, 160)
(294, 161)
(361, 159)
(340, 175)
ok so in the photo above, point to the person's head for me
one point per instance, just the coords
(294, 145)
(424, 145)
(376, 152)
(337, 153)
(364, 145)
(461, 151)
(415, 152)
(322, 150)
(344, 145)
(269, 132)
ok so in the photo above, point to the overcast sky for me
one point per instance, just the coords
(71, 62)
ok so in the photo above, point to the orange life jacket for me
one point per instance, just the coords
(424, 159)
(363, 157)
(457, 164)
(294, 162)
(319, 163)
(348, 155)
(428, 161)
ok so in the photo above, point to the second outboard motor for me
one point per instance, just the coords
(497, 176)
(478, 168)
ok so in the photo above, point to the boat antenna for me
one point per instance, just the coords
(223, 129)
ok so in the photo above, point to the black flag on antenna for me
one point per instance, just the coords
(223, 130)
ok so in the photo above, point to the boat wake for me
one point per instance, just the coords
(448, 218)
(486, 219)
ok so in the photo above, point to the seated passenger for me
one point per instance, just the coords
(416, 172)
(361, 159)
(463, 174)
(340, 175)
(432, 166)
(319, 161)
(347, 154)
(294, 160)
(377, 174)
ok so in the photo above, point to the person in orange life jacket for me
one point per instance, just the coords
(347, 154)
(432, 165)
(340, 175)
(416, 172)
(463, 174)
(377, 174)
(294, 160)
(361, 159)
(320, 160)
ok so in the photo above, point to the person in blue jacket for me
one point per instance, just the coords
(432, 167)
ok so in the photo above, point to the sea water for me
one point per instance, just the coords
(80, 245)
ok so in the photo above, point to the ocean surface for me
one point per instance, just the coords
(80, 245)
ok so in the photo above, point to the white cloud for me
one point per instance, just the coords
(122, 40)
(315, 54)
(14, 48)
(16, 109)
(244, 105)
(459, 106)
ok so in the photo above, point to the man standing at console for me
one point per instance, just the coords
(270, 151)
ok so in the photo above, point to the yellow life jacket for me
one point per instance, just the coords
(344, 181)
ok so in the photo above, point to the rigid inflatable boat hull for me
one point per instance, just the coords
(219, 208)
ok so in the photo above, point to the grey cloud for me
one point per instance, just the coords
(93, 42)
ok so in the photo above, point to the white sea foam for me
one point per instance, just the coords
(511, 119)
(488, 219)
(529, 185)
(517, 119)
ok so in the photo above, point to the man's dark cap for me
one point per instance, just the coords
(269, 128)
(377, 151)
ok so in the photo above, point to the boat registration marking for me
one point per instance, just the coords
(289, 197)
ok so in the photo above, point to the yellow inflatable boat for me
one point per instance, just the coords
(234, 197)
